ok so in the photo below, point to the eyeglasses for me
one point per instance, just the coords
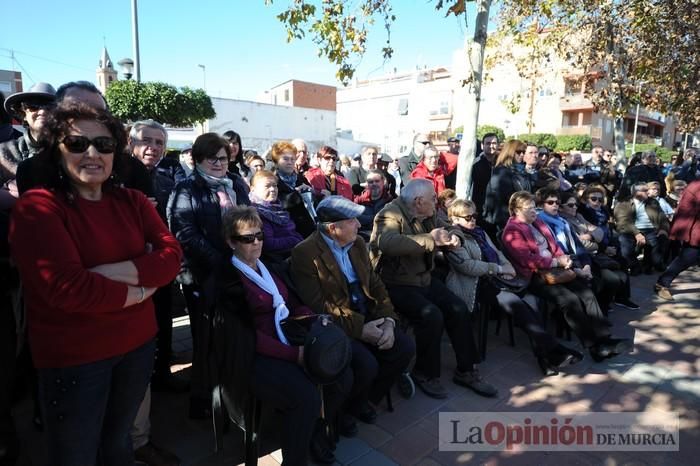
(79, 144)
(552, 202)
(151, 142)
(374, 181)
(595, 199)
(468, 218)
(329, 157)
(571, 205)
(520, 152)
(249, 239)
(36, 106)
(214, 160)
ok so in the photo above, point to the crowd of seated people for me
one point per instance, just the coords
(387, 248)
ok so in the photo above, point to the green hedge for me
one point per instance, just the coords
(662, 153)
(541, 139)
(580, 142)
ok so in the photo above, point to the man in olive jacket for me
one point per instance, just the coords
(332, 275)
(642, 224)
(403, 244)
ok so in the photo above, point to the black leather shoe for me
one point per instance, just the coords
(609, 347)
(347, 426)
(366, 413)
(319, 448)
(547, 369)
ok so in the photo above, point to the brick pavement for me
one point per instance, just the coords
(660, 374)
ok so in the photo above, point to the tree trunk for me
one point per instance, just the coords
(619, 133)
(467, 152)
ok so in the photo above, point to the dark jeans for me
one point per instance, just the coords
(688, 257)
(430, 310)
(578, 304)
(527, 318)
(8, 359)
(163, 303)
(375, 370)
(89, 409)
(654, 249)
(200, 392)
(610, 285)
(285, 386)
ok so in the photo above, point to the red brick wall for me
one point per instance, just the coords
(311, 95)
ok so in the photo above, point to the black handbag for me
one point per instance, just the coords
(327, 349)
(606, 262)
(515, 285)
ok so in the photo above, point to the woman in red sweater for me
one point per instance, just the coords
(90, 255)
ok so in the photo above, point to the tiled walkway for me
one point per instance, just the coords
(660, 374)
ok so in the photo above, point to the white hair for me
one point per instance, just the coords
(416, 188)
(137, 126)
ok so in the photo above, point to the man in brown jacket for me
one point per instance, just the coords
(404, 241)
(332, 274)
(642, 224)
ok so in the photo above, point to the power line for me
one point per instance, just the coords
(12, 52)
(16, 62)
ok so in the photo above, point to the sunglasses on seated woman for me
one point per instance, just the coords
(79, 144)
(249, 239)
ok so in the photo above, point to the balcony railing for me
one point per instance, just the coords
(574, 102)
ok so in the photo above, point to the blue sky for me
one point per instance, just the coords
(241, 43)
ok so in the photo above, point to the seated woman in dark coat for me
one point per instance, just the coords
(280, 231)
(259, 359)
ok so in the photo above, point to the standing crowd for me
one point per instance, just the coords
(103, 229)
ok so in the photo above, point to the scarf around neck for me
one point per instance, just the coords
(272, 211)
(222, 187)
(289, 180)
(562, 231)
(479, 235)
(266, 283)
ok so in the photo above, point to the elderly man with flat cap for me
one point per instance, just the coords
(32, 108)
(332, 273)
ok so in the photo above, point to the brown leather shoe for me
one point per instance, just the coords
(153, 455)
(663, 292)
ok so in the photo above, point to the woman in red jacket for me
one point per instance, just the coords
(325, 179)
(90, 255)
(529, 244)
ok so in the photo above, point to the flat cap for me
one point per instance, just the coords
(337, 208)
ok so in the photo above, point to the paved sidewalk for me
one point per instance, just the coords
(660, 374)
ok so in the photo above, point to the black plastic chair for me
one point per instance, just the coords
(250, 425)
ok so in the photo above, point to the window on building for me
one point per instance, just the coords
(440, 105)
(586, 118)
(274, 99)
(5, 87)
(571, 88)
(403, 107)
(286, 95)
(111, 78)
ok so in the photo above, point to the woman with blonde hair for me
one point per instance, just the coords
(506, 179)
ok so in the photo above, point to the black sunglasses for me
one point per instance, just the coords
(468, 218)
(214, 160)
(571, 205)
(249, 239)
(595, 199)
(552, 202)
(36, 106)
(79, 144)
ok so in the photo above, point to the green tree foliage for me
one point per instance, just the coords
(541, 139)
(613, 46)
(339, 28)
(566, 143)
(481, 130)
(132, 101)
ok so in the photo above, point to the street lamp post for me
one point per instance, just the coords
(636, 118)
(204, 76)
(127, 65)
(135, 34)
